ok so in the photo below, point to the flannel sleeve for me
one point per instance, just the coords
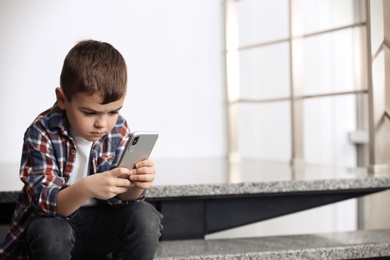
(40, 172)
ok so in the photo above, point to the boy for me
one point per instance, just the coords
(73, 205)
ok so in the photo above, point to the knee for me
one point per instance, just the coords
(145, 217)
(50, 234)
(142, 231)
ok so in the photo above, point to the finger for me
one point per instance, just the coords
(120, 171)
(122, 182)
(144, 163)
(143, 185)
(119, 190)
(142, 178)
(143, 171)
(110, 193)
(119, 178)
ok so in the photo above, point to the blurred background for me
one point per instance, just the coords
(217, 79)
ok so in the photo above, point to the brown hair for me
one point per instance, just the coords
(93, 67)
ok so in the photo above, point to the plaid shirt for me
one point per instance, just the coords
(48, 157)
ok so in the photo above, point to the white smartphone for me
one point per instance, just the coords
(138, 148)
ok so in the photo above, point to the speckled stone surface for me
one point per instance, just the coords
(267, 187)
(200, 190)
(215, 178)
(254, 187)
(345, 245)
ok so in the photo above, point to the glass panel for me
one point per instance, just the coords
(327, 123)
(329, 62)
(261, 21)
(265, 131)
(320, 15)
(265, 72)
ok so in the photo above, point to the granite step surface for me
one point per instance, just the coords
(359, 244)
(211, 178)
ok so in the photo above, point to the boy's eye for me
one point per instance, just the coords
(87, 113)
(93, 113)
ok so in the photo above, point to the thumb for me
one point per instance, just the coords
(120, 172)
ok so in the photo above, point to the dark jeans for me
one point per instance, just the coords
(96, 232)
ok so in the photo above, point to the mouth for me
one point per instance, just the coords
(98, 134)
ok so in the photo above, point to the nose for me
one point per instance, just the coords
(101, 121)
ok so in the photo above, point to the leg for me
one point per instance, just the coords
(141, 232)
(49, 238)
(133, 230)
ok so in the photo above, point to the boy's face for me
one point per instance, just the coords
(87, 116)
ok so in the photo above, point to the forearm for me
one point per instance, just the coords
(132, 193)
(71, 199)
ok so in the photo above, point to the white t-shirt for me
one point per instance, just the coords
(81, 164)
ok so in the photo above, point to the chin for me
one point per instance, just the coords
(92, 138)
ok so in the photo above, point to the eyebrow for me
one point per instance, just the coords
(90, 109)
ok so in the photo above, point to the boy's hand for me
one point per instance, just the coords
(107, 185)
(143, 175)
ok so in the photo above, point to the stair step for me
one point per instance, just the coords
(371, 244)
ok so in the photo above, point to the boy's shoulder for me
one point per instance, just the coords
(121, 121)
(121, 128)
(51, 120)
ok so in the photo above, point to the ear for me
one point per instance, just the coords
(61, 99)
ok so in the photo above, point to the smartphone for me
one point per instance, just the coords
(138, 148)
